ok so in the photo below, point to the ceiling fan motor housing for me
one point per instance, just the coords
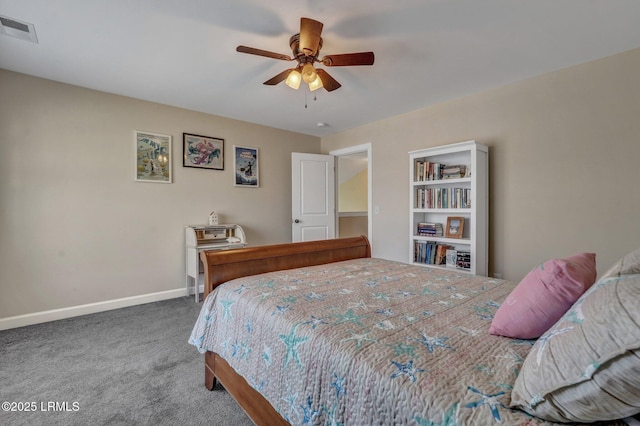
(299, 55)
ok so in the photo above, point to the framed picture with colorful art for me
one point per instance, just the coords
(246, 166)
(202, 152)
(153, 157)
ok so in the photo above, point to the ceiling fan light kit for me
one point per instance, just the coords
(293, 79)
(305, 47)
(308, 73)
(316, 84)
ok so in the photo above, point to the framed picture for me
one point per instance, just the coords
(246, 166)
(153, 157)
(455, 225)
(203, 152)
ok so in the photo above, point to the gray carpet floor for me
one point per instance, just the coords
(130, 366)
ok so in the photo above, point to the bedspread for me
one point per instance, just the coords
(368, 341)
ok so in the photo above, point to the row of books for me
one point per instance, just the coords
(443, 198)
(430, 252)
(426, 170)
(430, 229)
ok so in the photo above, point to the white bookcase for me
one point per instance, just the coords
(437, 193)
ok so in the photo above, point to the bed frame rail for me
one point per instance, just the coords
(254, 405)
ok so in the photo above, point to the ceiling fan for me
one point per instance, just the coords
(306, 47)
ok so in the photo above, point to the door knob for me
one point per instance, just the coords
(297, 221)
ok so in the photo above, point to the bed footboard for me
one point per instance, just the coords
(223, 265)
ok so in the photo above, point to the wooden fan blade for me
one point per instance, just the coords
(310, 31)
(278, 78)
(348, 59)
(260, 52)
(328, 82)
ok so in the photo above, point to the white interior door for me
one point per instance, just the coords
(312, 197)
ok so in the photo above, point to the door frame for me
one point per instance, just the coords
(365, 147)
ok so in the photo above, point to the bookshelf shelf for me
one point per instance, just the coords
(449, 211)
(443, 240)
(441, 182)
(449, 181)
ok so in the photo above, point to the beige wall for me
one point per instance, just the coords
(352, 194)
(564, 153)
(76, 228)
(353, 226)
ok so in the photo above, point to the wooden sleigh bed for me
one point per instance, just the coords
(444, 368)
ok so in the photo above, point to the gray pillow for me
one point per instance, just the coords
(628, 265)
(586, 367)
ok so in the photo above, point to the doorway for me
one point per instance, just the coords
(353, 191)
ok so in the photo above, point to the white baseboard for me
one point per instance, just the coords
(91, 308)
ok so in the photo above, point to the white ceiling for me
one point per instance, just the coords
(182, 52)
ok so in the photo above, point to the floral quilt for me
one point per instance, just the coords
(368, 341)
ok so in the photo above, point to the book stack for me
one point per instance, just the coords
(454, 172)
(430, 252)
(463, 260)
(426, 170)
(430, 229)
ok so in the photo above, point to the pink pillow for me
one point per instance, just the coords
(543, 296)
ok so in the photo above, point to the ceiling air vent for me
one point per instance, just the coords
(18, 29)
